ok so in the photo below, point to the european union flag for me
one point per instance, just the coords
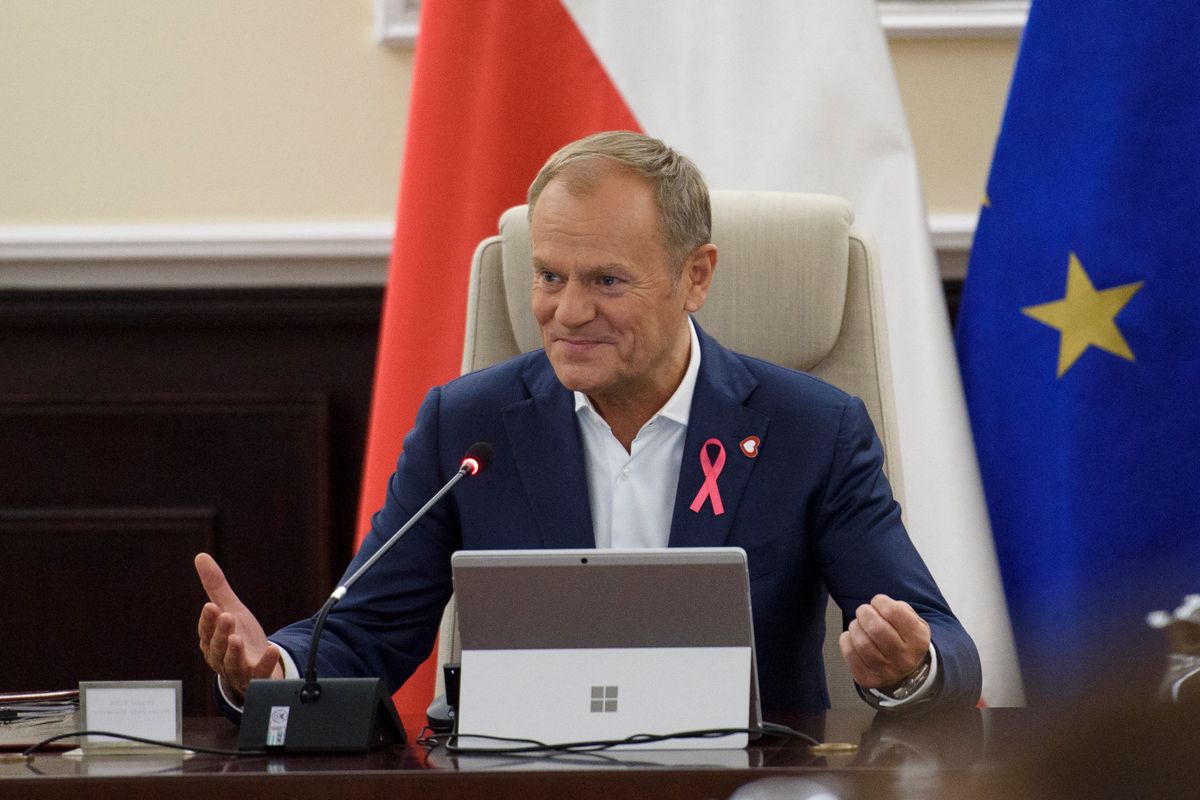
(1079, 340)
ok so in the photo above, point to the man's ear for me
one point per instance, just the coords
(697, 276)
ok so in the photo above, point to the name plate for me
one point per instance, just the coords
(147, 709)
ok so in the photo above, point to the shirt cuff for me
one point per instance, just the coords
(923, 691)
(289, 672)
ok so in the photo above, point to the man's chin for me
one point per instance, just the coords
(574, 378)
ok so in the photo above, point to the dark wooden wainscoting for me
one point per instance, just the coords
(139, 427)
(952, 288)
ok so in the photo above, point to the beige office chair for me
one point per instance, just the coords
(795, 285)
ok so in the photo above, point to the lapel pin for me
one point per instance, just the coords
(712, 470)
(749, 446)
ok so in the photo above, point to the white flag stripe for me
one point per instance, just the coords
(800, 96)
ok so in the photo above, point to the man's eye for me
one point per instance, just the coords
(547, 277)
(608, 280)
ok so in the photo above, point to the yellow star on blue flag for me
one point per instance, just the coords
(1085, 317)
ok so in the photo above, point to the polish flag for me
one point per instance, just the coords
(786, 95)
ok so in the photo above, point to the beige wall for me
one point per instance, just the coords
(954, 92)
(173, 111)
(197, 111)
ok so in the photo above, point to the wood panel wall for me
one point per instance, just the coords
(140, 427)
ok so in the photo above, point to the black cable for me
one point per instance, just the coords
(775, 729)
(430, 740)
(174, 745)
(527, 746)
(535, 746)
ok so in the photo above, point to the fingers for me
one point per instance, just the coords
(215, 586)
(878, 638)
(905, 621)
(885, 642)
(234, 667)
(238, 670)
(865, 657)
(206, 627)
(863, 675)
(223, 649)
(269, 666)
(216, 647)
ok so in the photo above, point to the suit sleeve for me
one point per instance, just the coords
(864, 550)
(387, 623)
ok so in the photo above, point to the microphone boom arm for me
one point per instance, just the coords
(312, 690)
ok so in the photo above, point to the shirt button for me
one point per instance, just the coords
(625, 472)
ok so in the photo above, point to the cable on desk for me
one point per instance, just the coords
(29, 751)
(775, 729)
(525, 746)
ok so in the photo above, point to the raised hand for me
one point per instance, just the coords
(231, 639)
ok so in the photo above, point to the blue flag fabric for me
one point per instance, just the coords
(1079, 340)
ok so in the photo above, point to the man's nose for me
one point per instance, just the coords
(575, 306)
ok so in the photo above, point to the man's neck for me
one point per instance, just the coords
(626, 422)
(626, 416)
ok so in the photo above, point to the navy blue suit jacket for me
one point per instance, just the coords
(813, 511)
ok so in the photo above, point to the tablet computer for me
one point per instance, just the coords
(564, 646)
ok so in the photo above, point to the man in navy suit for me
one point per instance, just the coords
(631, 428)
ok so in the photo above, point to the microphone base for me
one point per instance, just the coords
(351, 715)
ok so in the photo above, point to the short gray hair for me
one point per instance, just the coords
(685, 214)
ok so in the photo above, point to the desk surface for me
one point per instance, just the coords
(960, 754)
(933, 750)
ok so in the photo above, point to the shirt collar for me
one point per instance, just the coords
(678, 407)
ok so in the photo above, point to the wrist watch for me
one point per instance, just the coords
(915, 680)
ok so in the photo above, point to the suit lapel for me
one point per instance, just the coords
(549, 458)
(718, 412)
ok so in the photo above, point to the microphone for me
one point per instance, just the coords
(346, 714)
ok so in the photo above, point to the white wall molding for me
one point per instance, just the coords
(273, 254)
(197, 242)
(953, 18)
(952, 232)
(396, 20)
(952, 235)
(194, 256)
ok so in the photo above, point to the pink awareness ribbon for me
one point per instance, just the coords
(711, 473)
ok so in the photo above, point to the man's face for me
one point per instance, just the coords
(613, 321)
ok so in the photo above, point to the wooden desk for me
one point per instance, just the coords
(942, 755)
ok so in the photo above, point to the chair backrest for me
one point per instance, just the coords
(795, 285)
